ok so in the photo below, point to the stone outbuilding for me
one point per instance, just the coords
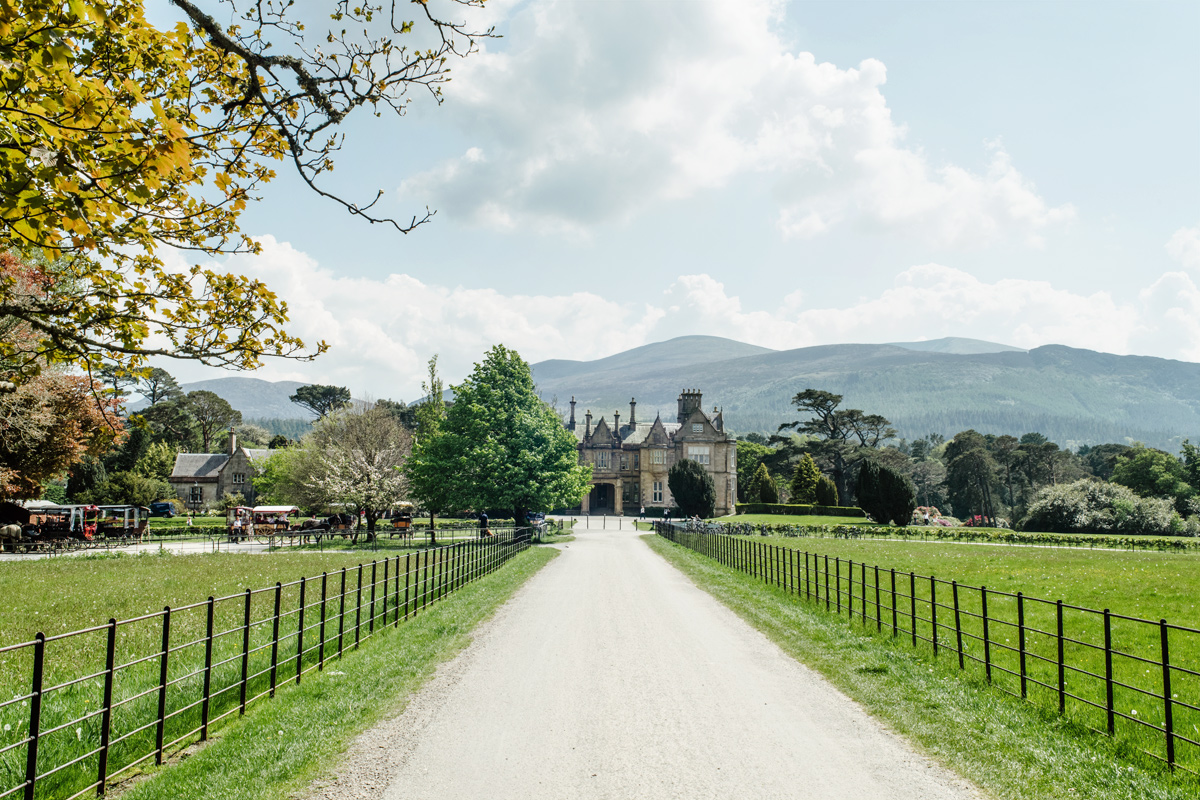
(201, 479)
(630, 460)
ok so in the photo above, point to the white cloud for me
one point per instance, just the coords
(590, 115)
(382, 331)
(1184, 247)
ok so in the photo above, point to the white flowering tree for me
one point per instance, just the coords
(353, 458)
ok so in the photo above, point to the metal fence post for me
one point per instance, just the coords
(1108, 670)
(110, 663)
(837, 579)
(245, 655)
(208, 659)
(957, 625)
(407, 576)
(386, 565)
(358, 609)
(1021, 638)
(35, 714)
(396, 596)
(425, 582)
(863, 581)
(895, 626)
(912, 602)
(300, 632)
(1062, 673)
(275, 637)
(160, 729)
(371, 612)
(987, 642)
(850, 590)
(1168, 721)
(342, 614)
(321, 646)
(826, 583)
(933, 612)
(878, 605)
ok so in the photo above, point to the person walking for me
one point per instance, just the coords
(643, 514)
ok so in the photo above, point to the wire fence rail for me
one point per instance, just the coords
(93, 705)
(1137, 680)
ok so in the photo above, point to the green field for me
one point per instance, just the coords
(1011, 749)
(1145, 585)
(58, 596)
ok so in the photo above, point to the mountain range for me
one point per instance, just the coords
(943, 386)
(1071, 395)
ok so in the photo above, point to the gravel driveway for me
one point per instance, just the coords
(610, 675)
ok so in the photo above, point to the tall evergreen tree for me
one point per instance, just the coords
(804, 481)
(692, 488)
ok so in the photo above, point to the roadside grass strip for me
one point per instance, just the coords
(89, 706)
(1009, 747)
(278, 750)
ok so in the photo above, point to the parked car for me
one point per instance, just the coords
(162, 509)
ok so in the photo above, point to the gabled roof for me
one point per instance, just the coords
(257, 456)
(190, 466)
(602, 432)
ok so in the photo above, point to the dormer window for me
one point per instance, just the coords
(697, 427)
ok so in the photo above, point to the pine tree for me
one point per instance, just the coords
(805, 480)
(763, 486)
(827, 493)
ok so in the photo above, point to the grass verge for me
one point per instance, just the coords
(1009, 748)
(280, 748)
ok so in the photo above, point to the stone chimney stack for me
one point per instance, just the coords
(571, 424)
(587, 431)
(617, 424)
(232, 441)
(632, 412)
(689, 402)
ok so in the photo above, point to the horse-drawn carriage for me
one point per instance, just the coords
(44, 526)
(260, 523)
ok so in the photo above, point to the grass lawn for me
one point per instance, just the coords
(1012, 749)
(57, 596)
(1146, 585)
(276, 751)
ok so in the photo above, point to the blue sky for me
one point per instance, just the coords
(614, 173)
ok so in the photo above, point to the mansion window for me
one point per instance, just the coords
(602, 459)
(637, 461)
(697, 427)
(196, 495)
(624, 462)
(656, 496)
(698, 453)
(658, 457)
(239, 478)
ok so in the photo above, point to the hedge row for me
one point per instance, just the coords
(964, 534)
(799, 510)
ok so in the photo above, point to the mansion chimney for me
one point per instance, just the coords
(587, 431)
(689, 402)
(617, 424)
(571, 424)
(632, 412)
(232, 441)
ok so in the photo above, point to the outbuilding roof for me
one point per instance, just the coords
(197, 466)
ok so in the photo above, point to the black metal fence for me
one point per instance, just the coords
(103, 700)
(1135, 679)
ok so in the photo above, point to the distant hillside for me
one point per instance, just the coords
(1073, 396)
(255, 398)
(958, 345)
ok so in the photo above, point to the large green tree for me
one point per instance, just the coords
(841, 435)
(885, 493)
(692, 488)
(321, 399)
(499, 447)
(971, 475)
(212, 414)
(1153, 473)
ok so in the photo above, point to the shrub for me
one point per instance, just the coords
(1088, 505)
(762, 486)
(692, 488)
(827, 493)
(885, 494)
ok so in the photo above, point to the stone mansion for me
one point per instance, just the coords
(630, 460)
